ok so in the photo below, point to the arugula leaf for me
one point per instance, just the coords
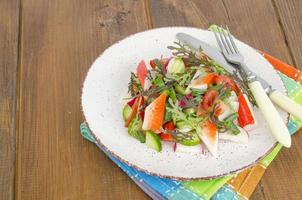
(150, 75)
(227, 124)
(158, 81)
(182, 79)
(225, 94)
(177, 115)
(217, 87)
(197, 100)
(230, 125)
(157, 90)
(231, 118)
(160, 68)
(217, 68)
(197, 92)
(134, 85)
(168, 116)
(233, 128)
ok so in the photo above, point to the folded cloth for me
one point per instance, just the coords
(235, 186)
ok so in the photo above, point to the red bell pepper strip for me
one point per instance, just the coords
(169, 126)
(134, 107)
(131, 102)
(245, 115)
(167, 136)
(152, 64)
(142, 115)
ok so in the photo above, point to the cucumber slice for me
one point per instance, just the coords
(153, 141)
(135, 129)
(179, 89)
(194, 141)
(189, 111)
(127, 112)
(183, 126)
(172, 94)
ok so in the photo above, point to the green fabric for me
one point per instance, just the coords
(206, 189)
(270, 157)
(86, 133)
(295, 93)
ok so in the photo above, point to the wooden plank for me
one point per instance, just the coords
(256, 23)
(258, 26)
(60, 40)
(286, 169)
(9, 26)
(290, 19)
(282, 179)
(258, 193)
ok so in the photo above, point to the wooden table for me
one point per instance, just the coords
(46, 48)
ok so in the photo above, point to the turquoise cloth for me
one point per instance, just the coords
(161, 188)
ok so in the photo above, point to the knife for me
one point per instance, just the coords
(277, 97)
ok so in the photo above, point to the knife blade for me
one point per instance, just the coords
(277, 97)
(217, 56)
(210, 51)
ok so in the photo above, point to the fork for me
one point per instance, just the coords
(271, 115)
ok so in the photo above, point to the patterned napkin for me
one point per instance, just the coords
(234, 186)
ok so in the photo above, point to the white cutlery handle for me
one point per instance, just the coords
(287, 104)
(271, 115)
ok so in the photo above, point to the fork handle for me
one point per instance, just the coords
(271, 115)
(286, 104)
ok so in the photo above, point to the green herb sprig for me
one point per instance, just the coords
(134, 85)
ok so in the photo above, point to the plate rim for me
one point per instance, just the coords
(178, 178)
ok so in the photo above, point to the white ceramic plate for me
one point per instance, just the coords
(106, 84)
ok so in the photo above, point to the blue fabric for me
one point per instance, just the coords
(156, 187)
(161, 188)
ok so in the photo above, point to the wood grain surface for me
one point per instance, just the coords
(46, 48)
(9, 30)
(290, 19)
(259, 27)
(59, 42)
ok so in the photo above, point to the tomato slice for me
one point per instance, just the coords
(227, 82)
(166, 137)
(209, 99)
(245, 116)
(169, 126)
(152, 64)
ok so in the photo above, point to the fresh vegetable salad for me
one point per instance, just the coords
(187, 100)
